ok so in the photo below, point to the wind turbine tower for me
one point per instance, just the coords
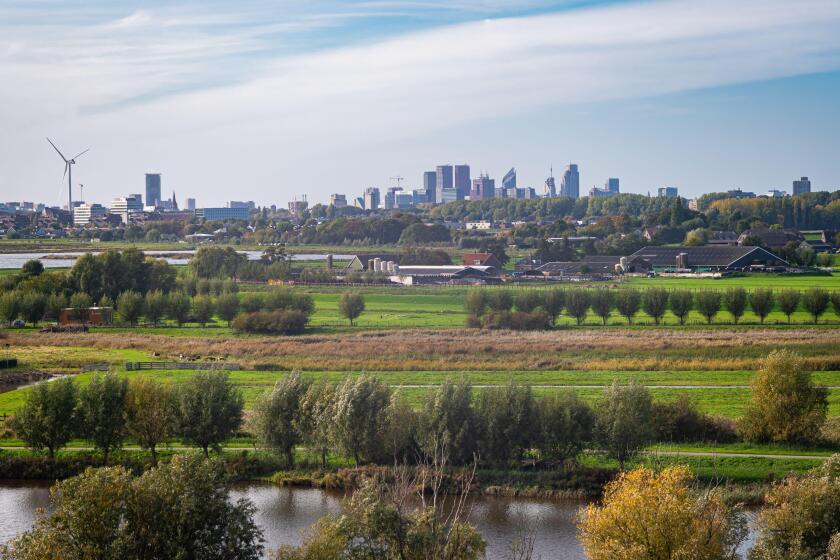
(68, 171)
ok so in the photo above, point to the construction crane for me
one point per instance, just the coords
(398, 179)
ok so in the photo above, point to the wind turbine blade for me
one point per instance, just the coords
(66, 167)
(57, 150)
(81, 154)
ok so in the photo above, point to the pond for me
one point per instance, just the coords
(284, 513)
(180, 257)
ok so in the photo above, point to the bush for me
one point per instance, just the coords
(681, 302)
(708, 304)
(681, 421)
(281, 321)
(286, 299)
(517, 320)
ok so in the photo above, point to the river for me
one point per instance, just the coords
(182, 257)
(283, 513)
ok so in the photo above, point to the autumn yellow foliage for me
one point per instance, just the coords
(650, 516)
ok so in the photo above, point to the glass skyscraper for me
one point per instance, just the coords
(153, 189)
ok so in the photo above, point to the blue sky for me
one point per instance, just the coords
(272, 100)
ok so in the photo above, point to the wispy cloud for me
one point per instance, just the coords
(213, 81)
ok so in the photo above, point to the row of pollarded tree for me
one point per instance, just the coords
(534, 309)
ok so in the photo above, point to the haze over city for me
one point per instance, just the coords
(276, 100)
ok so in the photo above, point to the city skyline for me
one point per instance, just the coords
(305, 81)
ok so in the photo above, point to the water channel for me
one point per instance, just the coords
(284, 513)
(179, 257)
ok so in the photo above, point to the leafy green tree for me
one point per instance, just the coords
(47, 418)
(815, 301)
(154, 306)
(251, 303)
(784, 406)
(789, 301)
(208, 410)
(80, 303)
(56, 303)
(735, 301)
(227, 306)
(761, 303)
(376, 525)
(448, 422)
(623, 424)
(107, 305)
(507, 416)
(88, 275)
(527, 300)
(554, 299)
(360, 417)
(628, 303)
(708, 304)
(351, 305)
(602, 303)
(9, 306)
(681, 302)
(102, 406)
(149, 413)
(130, 307)
(566, 426)
(217, 262)
(276, 416)
(500, 300)
(655, 303)
(202, 307)
(33, 305)
(179, 510)
(799, 520)
(835, 302)
(317, 422)
(577, 304)
(178, 307)
(32, 267)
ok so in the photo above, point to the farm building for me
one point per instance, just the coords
(369, 262)
(413, 275)
(773, 238)
(718, 258)
(722, 238)
(481, 259)
(95, 316)
(597, 265)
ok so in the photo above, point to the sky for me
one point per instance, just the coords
(270, 101)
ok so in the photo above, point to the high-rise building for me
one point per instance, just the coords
(338, 200)
(430, 185)
(462, 180)
(298, 207)
(153, 189)
(570, 186)
(669, 192)
(249, 204)
(191, 204)
(403, 200)
(125, 207)
(87, 213)
(391, 197)
(421, 196)
(803, 185)
(372, 198)
(483, 188)
(509, 180)
(550, 187)
(610, 188)
(444, 180)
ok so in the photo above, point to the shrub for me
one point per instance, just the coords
(500, 300)
(517, 320)
(680, 421)
(286, 299)
(281, 321)
(475, 302)
(528, 300)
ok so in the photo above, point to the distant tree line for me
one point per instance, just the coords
(533, 309)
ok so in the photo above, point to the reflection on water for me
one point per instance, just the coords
(285, 513)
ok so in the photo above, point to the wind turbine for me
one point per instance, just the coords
(68, 170)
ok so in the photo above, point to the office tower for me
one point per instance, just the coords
(430, 185)
(509, 180)
(224, 214)
(403, 200)
(462, 180)
(338, 200)
(444, 176)
(570, 186)
(421, 196)
(191, 204)
(296, 207)
(153, 189)
(669, 192)
(391, 197)
(87, 213)
(612, 185)
(372, 198)
(125, 207)
(138, 197)
(483, 188)
(803, 185)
